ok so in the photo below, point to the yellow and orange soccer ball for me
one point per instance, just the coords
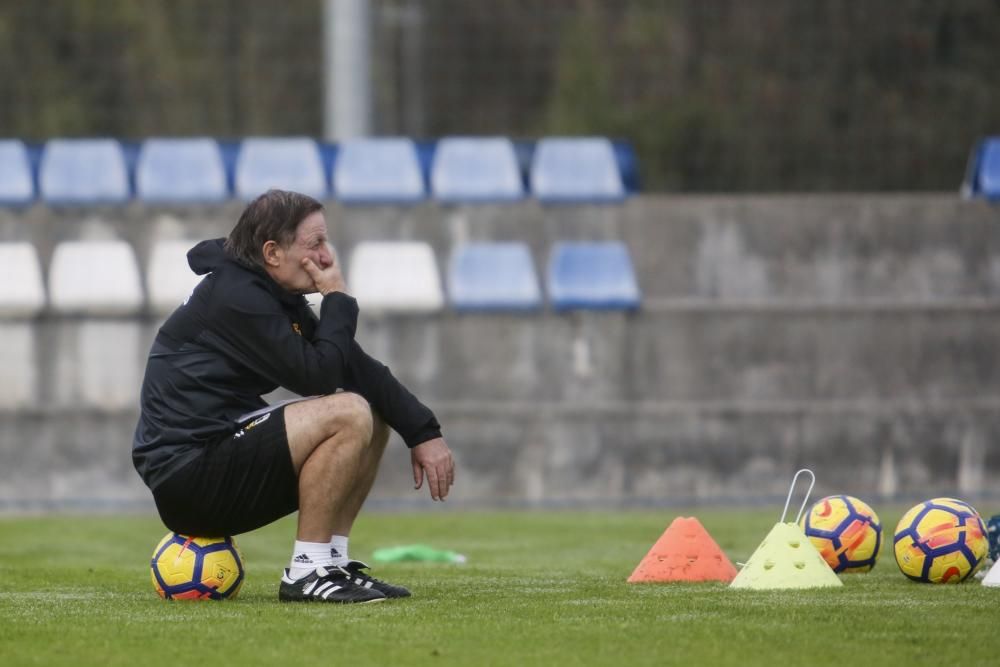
(196, 568)
(942, 540)
(845, 531)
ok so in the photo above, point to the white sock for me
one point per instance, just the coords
(307, 556)
(338, 549)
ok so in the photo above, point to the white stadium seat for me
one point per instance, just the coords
(21, 291)
(395, 276)
(169, 279)
(95, 278)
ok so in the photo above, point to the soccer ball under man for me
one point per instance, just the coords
(845, 531)
(197, 568)
(940, 541)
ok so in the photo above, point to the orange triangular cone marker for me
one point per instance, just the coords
(685, 552)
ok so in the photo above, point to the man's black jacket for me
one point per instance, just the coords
(239, 336)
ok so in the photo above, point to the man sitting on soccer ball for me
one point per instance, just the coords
(219, 460)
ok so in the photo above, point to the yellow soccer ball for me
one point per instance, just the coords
(845, 531)
(940, 541)
(196, 568)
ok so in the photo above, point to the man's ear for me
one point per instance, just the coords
(272, 253)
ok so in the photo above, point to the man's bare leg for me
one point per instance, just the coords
(336, 444)
(331, 444)
(367, 471)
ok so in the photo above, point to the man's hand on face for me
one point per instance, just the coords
(433, 458)
(326, 280)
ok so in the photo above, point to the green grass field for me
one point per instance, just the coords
(540, 588)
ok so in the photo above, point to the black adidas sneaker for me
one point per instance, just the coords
(354, 567)
(333, 584)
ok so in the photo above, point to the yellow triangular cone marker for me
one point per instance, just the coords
(786, 559)
(992, 577)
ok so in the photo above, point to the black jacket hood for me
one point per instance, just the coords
(207, 256)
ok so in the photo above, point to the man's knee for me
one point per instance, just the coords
(348, 411)
(310, 424)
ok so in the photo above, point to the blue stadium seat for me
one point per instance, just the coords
(180, 170)
(476, 170)
(576, 169)
(493, 276)
(592, 275)
(16, 184)
(988, 178)
(83, 171)
(378, 171)
(287, 163)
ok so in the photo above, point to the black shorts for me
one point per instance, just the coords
(237, 485)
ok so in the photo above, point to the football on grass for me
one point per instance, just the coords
(845, 531)
(197, 568)
(940, 541)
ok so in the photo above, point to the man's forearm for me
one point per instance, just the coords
(400, 409)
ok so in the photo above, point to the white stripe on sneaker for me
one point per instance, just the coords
(311, 585)
(369, 584)
(330, 592)
(322, 587)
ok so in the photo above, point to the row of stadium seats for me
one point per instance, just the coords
(362, 171)
(103, 278)
(982, 178)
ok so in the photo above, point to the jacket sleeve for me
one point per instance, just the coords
(260, 335)
(367, 376)
(372, 379)
(251, 325)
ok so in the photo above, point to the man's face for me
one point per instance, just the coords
(285, 264)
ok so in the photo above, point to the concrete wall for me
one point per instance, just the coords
(853, 334)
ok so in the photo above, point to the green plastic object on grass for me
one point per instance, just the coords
(416, 552)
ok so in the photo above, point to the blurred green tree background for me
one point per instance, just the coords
(715, 95)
